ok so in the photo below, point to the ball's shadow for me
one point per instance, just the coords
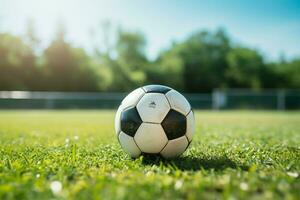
(193, 163)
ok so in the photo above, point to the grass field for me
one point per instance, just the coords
(75, 155)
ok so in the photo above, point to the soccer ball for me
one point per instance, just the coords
(155, 119)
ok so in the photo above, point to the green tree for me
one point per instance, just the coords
(292, 73)
(168, 69)
(128, 68)
(287, 74)
(245, 68)
(200, 61)
(17, 64)
(68, 68)
(31, 38)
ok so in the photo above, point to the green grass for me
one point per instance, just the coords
(234, 155)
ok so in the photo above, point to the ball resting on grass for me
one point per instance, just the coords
(155, 119)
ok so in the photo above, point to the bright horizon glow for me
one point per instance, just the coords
(273, 27)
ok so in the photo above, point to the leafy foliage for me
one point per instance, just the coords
(17, 64)
(68, 68)
(245, 66)
(203, 61)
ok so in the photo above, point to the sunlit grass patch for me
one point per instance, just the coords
(75, 155)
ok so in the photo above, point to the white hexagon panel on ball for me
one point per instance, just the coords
(128, 144)
(153, 107)
(190, 125)
(118, 119)
(132, 98)
(175, 147)
(178, 102)
(150, 138)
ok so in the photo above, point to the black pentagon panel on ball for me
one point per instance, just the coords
(130, 121)
(156, 89)
(174, 124)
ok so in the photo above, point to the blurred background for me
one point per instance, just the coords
(89, 54)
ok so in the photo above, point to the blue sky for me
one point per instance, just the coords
(272, 26)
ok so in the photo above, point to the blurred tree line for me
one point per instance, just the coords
(200, 63)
